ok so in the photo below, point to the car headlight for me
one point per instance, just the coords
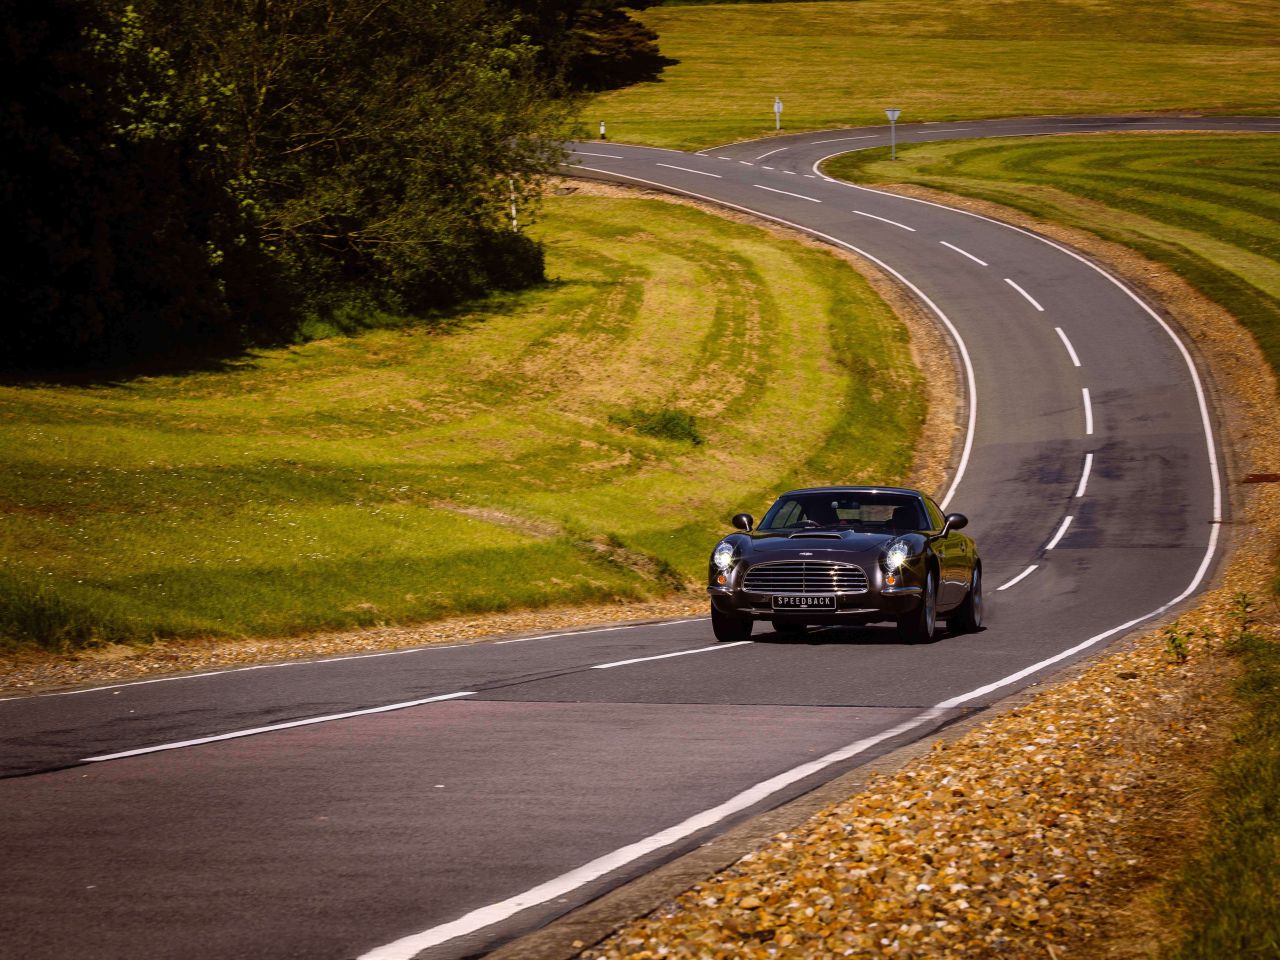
(896, 556)
(723, 557)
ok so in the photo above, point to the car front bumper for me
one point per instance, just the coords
(870, 606)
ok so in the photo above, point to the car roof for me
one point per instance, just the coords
(861, 489)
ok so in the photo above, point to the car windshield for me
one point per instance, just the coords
(866, 512)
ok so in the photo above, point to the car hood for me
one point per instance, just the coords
(821, 544)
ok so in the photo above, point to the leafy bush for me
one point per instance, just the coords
(664, 422)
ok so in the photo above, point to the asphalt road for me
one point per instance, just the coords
(439, 802)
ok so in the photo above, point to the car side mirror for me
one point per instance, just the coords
(744, 522)
(954, 521)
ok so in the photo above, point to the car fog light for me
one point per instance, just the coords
(891, 579)
(722, 579)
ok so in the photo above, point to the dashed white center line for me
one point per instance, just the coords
(1066, 522)
(1088, 412)
(870, 136)
(771, 153)
(746, 163)
(895, 223)
(1067, 343)
(610, 156)
(1084, 477)
(724, 158)
(964, 253)
(798, 196)
(810, 176)
(1020, 577)
(664, 656)
(235, 734)
(1030, 299)
(765, 167)
(701, 173)
(792, 172)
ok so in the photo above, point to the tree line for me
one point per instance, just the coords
(186, 179)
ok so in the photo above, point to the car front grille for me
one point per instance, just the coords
(805, 577)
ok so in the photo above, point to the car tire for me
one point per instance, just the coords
(918, 626)
(788, 629)
(728, 628)
(968, 617)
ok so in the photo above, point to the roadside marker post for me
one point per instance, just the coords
(777, 113)
(893, 113)
(602, 136)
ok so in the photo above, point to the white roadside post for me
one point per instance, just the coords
(777, 113)
(893, 113)
(602, 136)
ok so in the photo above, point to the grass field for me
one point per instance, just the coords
(585, 440)
(842, 62)
(1207, 206)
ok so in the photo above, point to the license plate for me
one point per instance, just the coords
(821, 602)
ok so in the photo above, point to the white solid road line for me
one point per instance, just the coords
(1062, 530)
(408, 947)
(1030, 299)
(276, 726)
(1067, 343)
(478, 919)
(701, 173)
(798, 196)
(354, 656)
(870, 136)
(664, 656)
(772, 152)
(895, 223)
(964, 253)
(1088, 412)
(1019, 578)
(1084, 476)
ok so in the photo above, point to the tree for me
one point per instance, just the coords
(591, 44)
(377, 141)
(114, 238)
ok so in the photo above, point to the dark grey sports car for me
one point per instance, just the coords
(847, 555)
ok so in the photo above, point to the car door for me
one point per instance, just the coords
(954, 560)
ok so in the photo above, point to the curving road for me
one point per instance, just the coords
(439, 802)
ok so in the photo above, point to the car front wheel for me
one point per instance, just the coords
(918, 625)
(968, 617)
(728, 628)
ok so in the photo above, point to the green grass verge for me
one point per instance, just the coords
(1228, 891)
(842, 63)
(1206, 206)
(583, 441)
